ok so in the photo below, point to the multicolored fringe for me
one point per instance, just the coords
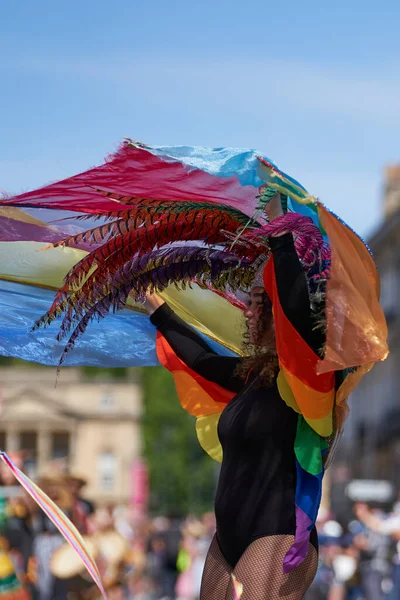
(309, 450)
(201, 398)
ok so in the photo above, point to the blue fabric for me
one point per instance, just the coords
(120, 340)
(228, 162)
(125, 339)
(222, 162)
(308, 492)
(306, 211)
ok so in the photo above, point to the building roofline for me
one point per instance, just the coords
(43, 399)
(72, 413)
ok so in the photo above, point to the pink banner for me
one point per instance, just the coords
(139, 485)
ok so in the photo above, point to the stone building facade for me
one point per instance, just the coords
(90, 427)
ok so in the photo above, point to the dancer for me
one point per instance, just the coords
(192, 224)
(255, 500)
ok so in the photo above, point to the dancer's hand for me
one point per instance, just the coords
(274, 207)
(152, 302)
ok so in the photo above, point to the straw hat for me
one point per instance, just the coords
(76, 478)
(55, 486)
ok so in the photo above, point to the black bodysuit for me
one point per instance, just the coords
(256, 489)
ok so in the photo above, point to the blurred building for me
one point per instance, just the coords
(371, 444)
(88, 426)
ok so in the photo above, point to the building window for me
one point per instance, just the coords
(60, 445)
(106, 401)
(107, 471)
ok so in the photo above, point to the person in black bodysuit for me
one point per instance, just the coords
(254, 504)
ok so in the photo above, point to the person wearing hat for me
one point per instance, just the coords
(81, 508)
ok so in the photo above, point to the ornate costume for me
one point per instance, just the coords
(190, 224)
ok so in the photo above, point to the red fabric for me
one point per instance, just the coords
(136, 171)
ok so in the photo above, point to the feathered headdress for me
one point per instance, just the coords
(147, 244)
(154, 217)
(151, 245)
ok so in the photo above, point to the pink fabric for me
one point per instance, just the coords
(299, 550)
(12, 230)
(140, 484)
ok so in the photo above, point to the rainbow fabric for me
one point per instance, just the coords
(356, 330)
(64, 525)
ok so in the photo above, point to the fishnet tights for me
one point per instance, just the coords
(259, 569)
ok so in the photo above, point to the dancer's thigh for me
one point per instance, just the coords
(216, 574)
(260, 571)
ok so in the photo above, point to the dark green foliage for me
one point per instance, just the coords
(9, 361)
(182, 476)
(121, 374)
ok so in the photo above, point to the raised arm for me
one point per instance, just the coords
(191, 348)
(292, 286)
(293, 292)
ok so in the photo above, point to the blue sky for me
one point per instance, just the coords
(313, 85)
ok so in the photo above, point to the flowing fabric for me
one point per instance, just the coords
(189, 222)
(30, 221)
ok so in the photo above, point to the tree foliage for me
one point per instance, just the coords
(182, 476)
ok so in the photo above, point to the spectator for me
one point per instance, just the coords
(81, 508)
(171, 537)
(194, 547)
(388, 527)
(48, 539)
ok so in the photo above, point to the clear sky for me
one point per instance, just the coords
(314, 85)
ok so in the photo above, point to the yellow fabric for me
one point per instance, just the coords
(277, 182)
(6, 565)
(11, 212)
(285, 392)
(322, 426)
(28, 263)
(206, 429)
(203, 309)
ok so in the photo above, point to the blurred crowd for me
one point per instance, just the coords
(138, 557)
(142, 558)
(359, 560)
